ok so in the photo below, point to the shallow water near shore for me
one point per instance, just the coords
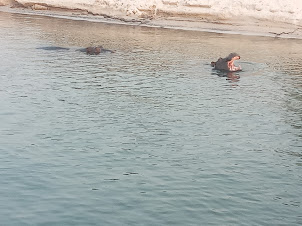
(148, 135)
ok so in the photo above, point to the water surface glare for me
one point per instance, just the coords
(149, 135)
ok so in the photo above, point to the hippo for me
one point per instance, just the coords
(91, 50)
(95, 50)
(53, 48)
(227, 63)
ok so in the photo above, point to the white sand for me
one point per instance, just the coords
(261, 17)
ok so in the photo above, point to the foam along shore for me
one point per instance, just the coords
(262, 17)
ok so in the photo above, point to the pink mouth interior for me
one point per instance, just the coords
(232, 67)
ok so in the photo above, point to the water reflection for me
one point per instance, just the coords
(232, 77)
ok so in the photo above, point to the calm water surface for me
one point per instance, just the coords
(149, 135)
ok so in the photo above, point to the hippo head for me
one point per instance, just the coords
(98, 49)
(94, 50)
(227, 63)
(230, 62)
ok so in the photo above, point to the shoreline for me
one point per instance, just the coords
(246, 26)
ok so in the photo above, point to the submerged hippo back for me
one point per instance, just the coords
(53, 48)
(91, 50)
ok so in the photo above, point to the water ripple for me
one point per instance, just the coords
(150, 134)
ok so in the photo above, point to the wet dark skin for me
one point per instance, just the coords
(91, 50)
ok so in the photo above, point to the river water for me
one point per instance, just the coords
(148, 135)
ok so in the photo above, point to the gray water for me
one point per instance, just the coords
(149, 135)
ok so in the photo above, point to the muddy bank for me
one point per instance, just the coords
(257, 19)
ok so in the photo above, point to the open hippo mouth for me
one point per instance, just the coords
(227, 63)
(231, 65)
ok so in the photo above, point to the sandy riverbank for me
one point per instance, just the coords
(231, 25)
